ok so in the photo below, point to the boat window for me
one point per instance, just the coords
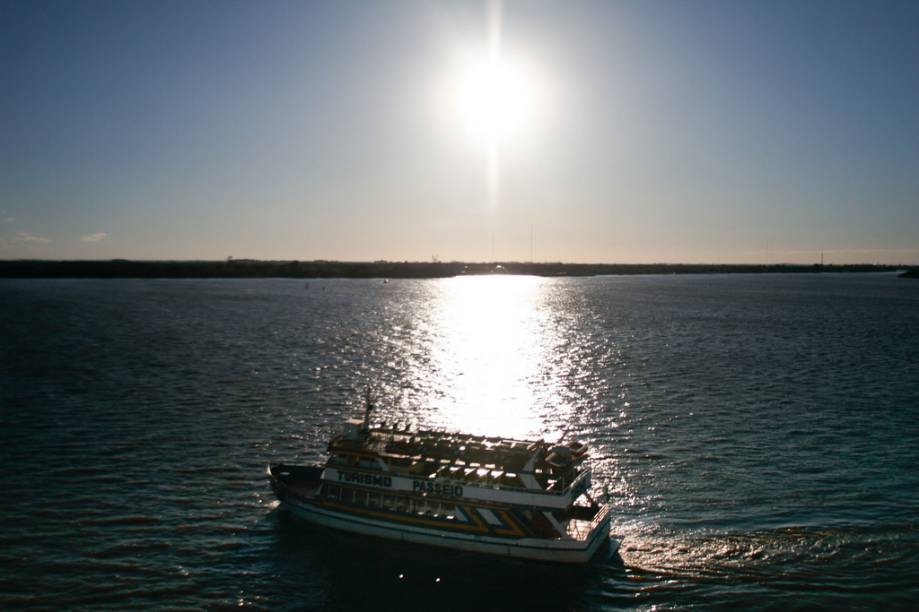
(448, 512)
(332, 492)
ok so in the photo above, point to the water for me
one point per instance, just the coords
(758, 435)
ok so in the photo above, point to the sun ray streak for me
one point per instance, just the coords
(496, 100)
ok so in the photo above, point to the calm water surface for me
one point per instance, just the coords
(758, 436)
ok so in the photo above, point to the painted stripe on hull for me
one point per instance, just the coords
(476, 526)
(567, 551)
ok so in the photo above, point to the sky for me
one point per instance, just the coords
(658, 131)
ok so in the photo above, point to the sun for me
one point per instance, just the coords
(496, 99)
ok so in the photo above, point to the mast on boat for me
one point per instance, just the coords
(368, 408)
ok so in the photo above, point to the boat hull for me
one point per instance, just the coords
(557, 550)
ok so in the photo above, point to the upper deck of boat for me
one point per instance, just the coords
(492, 461)
(399, 444)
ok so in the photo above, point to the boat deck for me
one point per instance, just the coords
(579, 529)
(484, 461)
(397, 443)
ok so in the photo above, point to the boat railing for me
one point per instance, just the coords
(600, 516)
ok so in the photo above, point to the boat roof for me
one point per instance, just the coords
(446, 447)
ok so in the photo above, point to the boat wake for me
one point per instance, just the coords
(788, 553)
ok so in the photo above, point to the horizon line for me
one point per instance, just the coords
(231, 260)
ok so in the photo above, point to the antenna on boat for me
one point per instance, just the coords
(368, 408)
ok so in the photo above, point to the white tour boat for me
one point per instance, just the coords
(514, 498)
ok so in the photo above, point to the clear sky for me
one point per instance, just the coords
(735, 131)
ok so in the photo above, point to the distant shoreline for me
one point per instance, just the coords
(246, 268)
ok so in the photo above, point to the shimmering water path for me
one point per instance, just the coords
(758, 435)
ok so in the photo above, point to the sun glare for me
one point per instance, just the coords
(496, 99)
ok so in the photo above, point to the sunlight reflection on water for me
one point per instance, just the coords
(491, 339)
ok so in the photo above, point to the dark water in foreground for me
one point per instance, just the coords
(759, 436)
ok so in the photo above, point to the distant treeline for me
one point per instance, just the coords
(246, 268)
